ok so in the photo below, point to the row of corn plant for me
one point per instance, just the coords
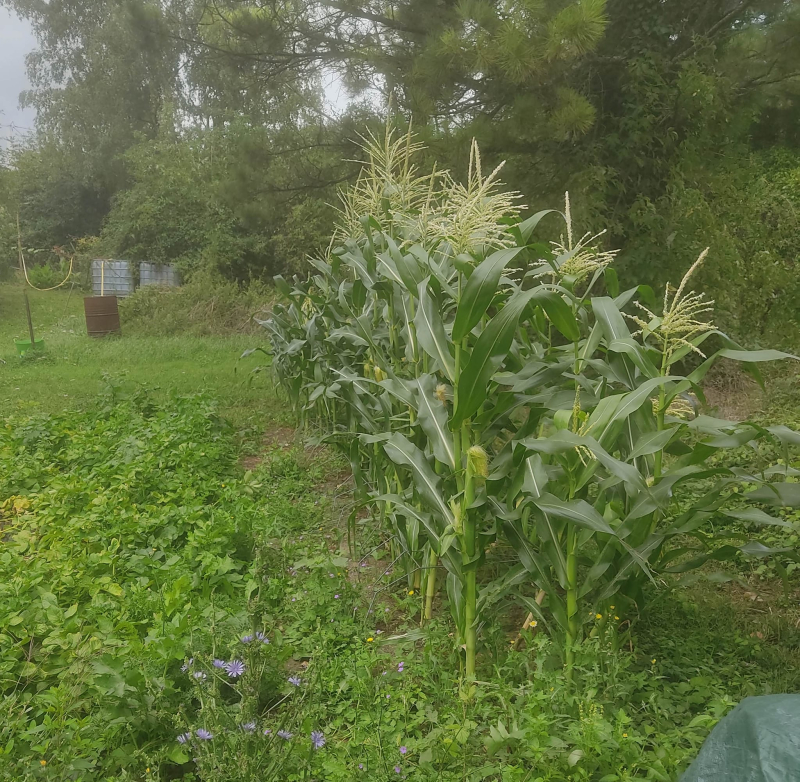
(496, 393)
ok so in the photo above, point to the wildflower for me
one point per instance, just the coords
(653, 661)
(533, 623)
(361, 766)
(285, 734)
(235, 668)
(598, 616)
(185, 667)
(410, 591)
(42, 762)
(199, 675)
(295, 680)
(263, 638)
(219, 663)
(248, 727)
(403, 750)
(147, 770)
(616, 618)
(245, 639)
(397, 769)
(317, 739)
(184, 737)
(400, 667)
(624, 735)
(204, 735)
(267, 731)
(370, 640)
(336, 597)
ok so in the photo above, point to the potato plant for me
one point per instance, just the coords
(489, 388)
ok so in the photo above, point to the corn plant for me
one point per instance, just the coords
(490, 389)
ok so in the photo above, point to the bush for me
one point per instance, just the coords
(205, 305)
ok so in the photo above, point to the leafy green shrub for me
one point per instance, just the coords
(118, 552)
(205, 305)
(488, 395)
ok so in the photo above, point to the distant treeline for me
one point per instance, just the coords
(199, 133)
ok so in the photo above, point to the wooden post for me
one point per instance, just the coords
(30, 322)
(25, 290)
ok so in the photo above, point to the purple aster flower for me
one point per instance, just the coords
(295, 680)
(336, 597)
(397, 770)
(317, 739)
(199, 675)
(263, 638)
(245, 639)
(293, 599)
(219, 663)
(267, 731)
(185, 666)
(248, 727)
(184, 737)
(235, 668)
(361, 766)
(403, 750)
(205, 735)
(284, 734)
(400, 667)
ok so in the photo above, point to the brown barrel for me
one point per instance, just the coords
(102, 315)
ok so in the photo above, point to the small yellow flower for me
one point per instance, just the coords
(616, 618)
(653, 661)
(223, 485)
(612, 607)
(147, 770)
(370, 639)
(598, 616)
(410, 591)
(43, 762)
(624, 735)
(533, 623)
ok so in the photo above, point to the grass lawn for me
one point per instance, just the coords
(140, 554)
(72, 369)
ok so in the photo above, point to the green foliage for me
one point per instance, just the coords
(203, 135)
(205, 305)
(480, 408)
(213, 201)
(114, 559)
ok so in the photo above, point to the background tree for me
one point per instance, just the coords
(674, 124)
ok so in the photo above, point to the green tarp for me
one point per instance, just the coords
(759, 741)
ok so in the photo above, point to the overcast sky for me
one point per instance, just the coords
(16, 40)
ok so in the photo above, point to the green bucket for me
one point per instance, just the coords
(24, 345)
